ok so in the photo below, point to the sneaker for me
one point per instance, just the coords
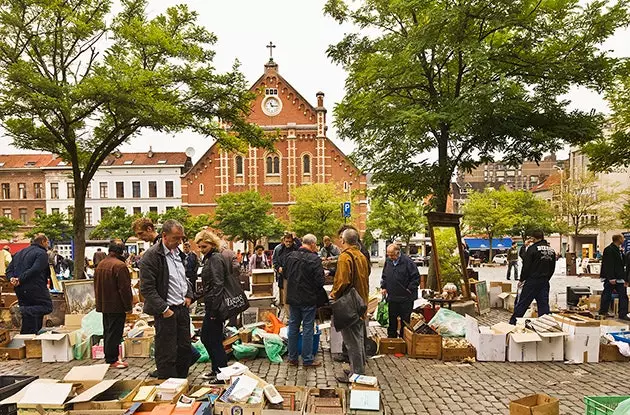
(313, 364)
(209, 376)
(119, 365)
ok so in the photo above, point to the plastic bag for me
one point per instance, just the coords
(274, 324)
(448, 323)
(92, 323)
(623, 408)
(244, 351)
(382, 313)
(275, 348)
(81, 348)
(205, 357)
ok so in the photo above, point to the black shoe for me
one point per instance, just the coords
(342, 379)
(153, 374)
(624, 318)
(211, 376)
(341, 358)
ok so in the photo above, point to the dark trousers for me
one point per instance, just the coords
(397, 309)
(32, 317)
(532, 290)
(113, 326)
(620, 289)
(212, 339)
(512, 265)
(354, 339)
(172, 344)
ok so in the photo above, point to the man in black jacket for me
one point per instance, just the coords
(29, 273)
(399, 284)
(539, 264)
(305, 278)
(614, 277)
(167, 295)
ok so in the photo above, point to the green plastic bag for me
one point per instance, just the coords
(382, 313)
(244, 351)
(275, 348)
(81, 348)
(205, 357)
(623, 408)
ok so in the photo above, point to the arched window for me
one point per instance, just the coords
(238, 161)
(201, 188)
(273, 164)
(306, 164)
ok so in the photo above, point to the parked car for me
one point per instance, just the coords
(500, 259)
(417, 259)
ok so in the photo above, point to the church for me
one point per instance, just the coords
(303, 155)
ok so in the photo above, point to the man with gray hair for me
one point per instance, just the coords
(352, 271)
(399, 285)
(167, 295)
(305, 278)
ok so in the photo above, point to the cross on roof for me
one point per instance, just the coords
(270, 46)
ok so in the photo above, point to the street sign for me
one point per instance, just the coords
(346, 209)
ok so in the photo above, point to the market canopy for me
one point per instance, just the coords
(481, 244)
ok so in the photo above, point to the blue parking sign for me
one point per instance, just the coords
(347, 208)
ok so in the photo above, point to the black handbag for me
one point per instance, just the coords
(350, 307)
(233, 301)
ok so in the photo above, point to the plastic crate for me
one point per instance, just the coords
(621, 336)
(602, 405)
(316, 336)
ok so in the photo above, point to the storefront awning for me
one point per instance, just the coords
(481, 244)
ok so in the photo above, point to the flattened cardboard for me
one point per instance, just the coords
(90, 372)
(94, 391)
(45, 394)
(14, 399)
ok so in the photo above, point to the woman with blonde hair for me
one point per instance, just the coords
(213, 275)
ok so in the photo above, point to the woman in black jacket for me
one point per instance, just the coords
(213, 275)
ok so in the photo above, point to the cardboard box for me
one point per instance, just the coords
(73, 321)
(223, 408)
(51, 397)
(425, 346)
(594, 302)
(458, 354)
(84, 377)
(365, 400)
(610, 353)
(539, 404)
(489, 342)
(581, 348)
(612, 326)
(496, 289)
(522, 347)
(105, 395)
(138, 346)
(57, 347)
(391, 346)
(550, 348)
(321, 399)
(14, 350)
(295, 394)
(508, 300)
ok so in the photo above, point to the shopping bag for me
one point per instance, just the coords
(382, 313)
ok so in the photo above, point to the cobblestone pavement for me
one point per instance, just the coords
(414, 386)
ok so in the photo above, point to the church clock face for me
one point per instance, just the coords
(271, 105)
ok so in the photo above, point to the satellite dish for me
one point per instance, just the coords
(190, 152)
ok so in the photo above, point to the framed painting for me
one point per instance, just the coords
(80, 297)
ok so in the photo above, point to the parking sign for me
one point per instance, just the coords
(347, 208)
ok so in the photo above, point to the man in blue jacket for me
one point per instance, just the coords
(29, 273)
(399, 285)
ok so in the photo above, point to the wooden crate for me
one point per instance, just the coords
(263, 276)
(458, 354)
(33, 349)
(15, 350)
(425, 346)
(138, 347)
(391, 346)
(262, 289)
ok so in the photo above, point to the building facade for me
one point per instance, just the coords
(138, 182)
(303, 155)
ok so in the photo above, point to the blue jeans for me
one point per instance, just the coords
(304, 315)
(514, 265)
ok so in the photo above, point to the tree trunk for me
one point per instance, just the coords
(575, 236)
(490, 247)
(78, 221)
(407, 247)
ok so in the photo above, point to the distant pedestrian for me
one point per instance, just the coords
(98, 257)
(29, 273)
(614, 277)
(114, 298)
(399, 285)
(192, 265)
(512, 260)
(305, 278)
(246, 259)
(539, 265)
(5, 260)
(259, 260)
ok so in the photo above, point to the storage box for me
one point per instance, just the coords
(425, 346)
(98, 351)
(582, 343)
(550, 348)
(594, 302)
(522, 347)
(365, 400)
(458, 354)
(294, 401)
(138, 346)
(57, 347)
(33, 348)
(73, 321)
(48, 397)
(224, 408)
(508, 300)
(496, 289)
(489, 342)
(262, 289)
(539, 404)
(263, 276)
(612, 326)
(15, 350)
(326, 401)
(107, 394)
(610, 353)
(391, 346)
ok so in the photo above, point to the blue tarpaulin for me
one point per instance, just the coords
(481, 244)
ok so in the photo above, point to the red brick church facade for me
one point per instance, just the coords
(303, 155)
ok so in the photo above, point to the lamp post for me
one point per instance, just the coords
(561, 172)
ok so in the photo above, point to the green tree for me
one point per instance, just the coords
(490, 213)
(396, 218)
(317, 209)
(196, 223)
(247, 216)
(8, 227)
(624, 215)
(115, 223)
(56, 226)
(439, 86)
(529, 213)
(584, 204)
(78, 81)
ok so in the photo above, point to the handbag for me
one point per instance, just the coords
(233, 301)
(350, 307)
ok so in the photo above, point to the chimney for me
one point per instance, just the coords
(320, 99)
(150, 153)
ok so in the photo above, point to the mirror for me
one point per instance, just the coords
(448, 252)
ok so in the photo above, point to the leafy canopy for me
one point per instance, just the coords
(436, 86)
(115, 224)
(8, 227)
(529, 213)
(396, 218)
(247, 216)
(317, 209)
(56, 226)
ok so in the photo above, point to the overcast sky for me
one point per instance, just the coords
(302, 34)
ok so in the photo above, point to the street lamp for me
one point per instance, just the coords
(561, 172)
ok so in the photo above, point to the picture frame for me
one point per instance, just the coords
(80, 296)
